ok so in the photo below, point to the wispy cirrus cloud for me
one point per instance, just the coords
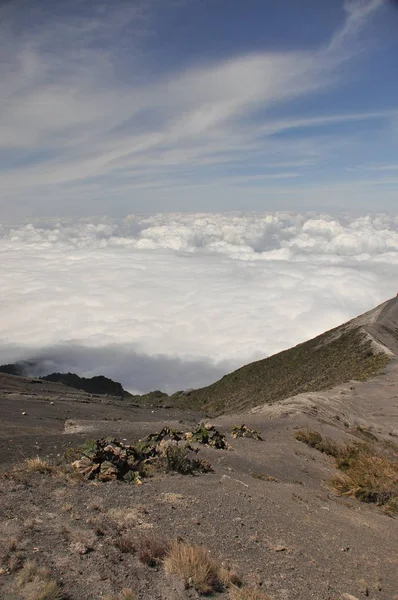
(82, 111)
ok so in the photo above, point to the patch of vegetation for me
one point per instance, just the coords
(244, 431)
(369, 472)
(155, 398)
(335, 357)
(247, 593)
(36, 583)
(11, 558)
(370, 478)
(177, 459)
(153, 550)
(207, 434)
(365, 433)
(317, 441)
(109, 459)
(203, 433)
(165, 434)
(126, 542)
(198, 570)
(38, 465)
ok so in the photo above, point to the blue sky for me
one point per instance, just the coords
(198, 105)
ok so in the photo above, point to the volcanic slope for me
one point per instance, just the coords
(269, 508)
(356, 350)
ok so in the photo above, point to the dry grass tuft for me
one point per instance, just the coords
(229, 576)
(370, 479)
(196, 568)
(14, 562)
(245, 593)
(369, 471)
(35, 583)
(12, 544)
(38, 465)
(126, 542)
(153, 550)
(11, 559)
(315, 440)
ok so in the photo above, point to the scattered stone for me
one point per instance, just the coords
(224, 477)
(264, 477)
(79, 548)
(279, 548)
(348, 597)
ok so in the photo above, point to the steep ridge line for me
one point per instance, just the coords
(384, 328)
(356, 350)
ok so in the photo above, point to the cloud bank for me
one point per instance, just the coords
(175, 301)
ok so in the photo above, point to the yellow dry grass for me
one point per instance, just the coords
(35, 583)
(198, 570)
(368, 472)
(38, 465)
(370, 479)
(236, 593)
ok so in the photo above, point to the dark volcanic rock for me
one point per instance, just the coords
(93, 385)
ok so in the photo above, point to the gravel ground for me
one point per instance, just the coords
(293, 537)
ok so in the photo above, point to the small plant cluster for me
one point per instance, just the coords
(36, 583)
(204, 433)
(110, 459)
(207, 434)
(244, 431)
(366, 472)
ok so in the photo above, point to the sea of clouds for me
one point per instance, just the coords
(174, 301)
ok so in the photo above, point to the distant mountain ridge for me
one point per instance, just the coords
(92, 385)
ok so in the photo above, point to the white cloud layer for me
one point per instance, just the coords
(175, 301)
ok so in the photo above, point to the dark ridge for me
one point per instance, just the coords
(155, 398)
(13, 369)
(93, 385)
